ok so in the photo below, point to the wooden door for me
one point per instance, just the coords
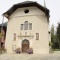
(25, 46)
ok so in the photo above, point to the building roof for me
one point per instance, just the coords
(25, 4)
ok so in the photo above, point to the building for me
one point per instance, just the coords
(27, 27)
(2, 35)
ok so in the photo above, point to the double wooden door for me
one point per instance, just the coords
(25, 46)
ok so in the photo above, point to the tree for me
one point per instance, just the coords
(52, 36)
(56, 42)
(58, 33)
(52, 33)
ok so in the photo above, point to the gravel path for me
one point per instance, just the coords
(54, 56)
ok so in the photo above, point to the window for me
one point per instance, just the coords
(37, 36)
(13, 47)
(26, 25)
(30, 26)
(26, 11)
(22, 26)
(14, 36)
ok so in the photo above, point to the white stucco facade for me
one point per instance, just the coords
(39, 25)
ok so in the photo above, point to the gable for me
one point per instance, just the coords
(25, 4)
(33, 11)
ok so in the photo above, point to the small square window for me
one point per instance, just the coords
(13, 47)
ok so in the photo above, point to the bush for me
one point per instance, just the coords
(30, 51)
(18, 50)
(2, 50)
(50, 47)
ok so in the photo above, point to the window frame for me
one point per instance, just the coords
(30, 26)
(22, 26)
(13, 47)
(26, 25)
(37, 36)
(14, 36)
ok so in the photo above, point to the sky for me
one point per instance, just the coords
(52, 5)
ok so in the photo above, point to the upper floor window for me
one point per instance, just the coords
(26, 25)
(30, 26)
(21, 26)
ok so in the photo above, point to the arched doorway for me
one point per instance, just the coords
(25, 45)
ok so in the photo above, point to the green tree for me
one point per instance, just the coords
(58, 34)
(52, 34)
(56, 42)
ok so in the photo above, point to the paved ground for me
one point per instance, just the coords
(54, 56)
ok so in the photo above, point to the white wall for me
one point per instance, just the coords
(39, 25)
